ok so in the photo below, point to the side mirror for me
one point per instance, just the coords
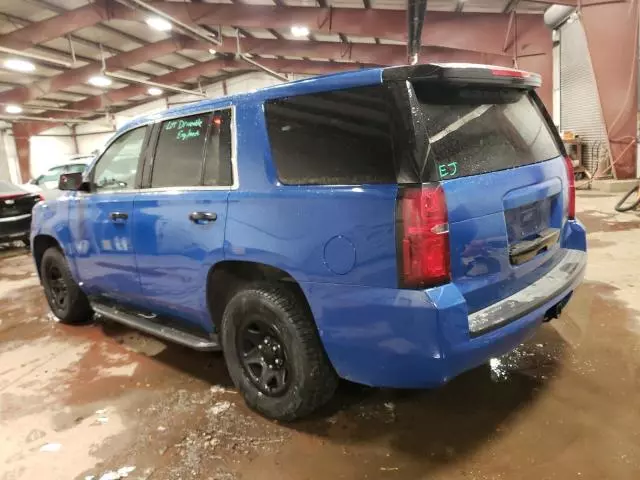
(70, 181)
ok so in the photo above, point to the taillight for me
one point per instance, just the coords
(423, 236)
(509, 72)
(571, 202)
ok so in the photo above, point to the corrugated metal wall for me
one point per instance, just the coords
(579, 102)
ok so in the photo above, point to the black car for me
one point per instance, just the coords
(15, 212)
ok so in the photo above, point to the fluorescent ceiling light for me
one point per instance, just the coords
(19, 65)
(158, 23)
(299, 31)
(100, 81)
(13, 109)
(154, 91)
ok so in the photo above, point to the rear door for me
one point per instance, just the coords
(181, 215)
(505, 182)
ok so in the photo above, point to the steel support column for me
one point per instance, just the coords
(612, 38)
(416, 10)
(22, 138)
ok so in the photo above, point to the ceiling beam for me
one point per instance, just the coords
(81, 75)
(356, 52)
(115, 96)
(479, 32)
(378, 54)
(54, 27)
(106, 28)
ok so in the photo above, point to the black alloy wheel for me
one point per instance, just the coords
(264, 357)
(67, 301)
(59, 290)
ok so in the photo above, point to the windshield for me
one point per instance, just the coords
(478, 130)
(52, 175)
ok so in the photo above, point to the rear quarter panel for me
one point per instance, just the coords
(342, 234)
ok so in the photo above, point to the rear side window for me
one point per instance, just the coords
(194, 151)
(478, 130)
(332, 138)
(180, 152)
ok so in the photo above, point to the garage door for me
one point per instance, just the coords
(579, 103)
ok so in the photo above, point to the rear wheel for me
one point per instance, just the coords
(274, 354)
(64, 296)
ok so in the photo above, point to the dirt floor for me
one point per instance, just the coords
(103, 402)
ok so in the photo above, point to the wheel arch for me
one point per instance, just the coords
(40, 244)
(226, 277)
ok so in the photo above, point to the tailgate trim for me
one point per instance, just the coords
(561, 277)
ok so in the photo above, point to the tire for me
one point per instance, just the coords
(309, 377)
(619, 206)
(64, 296)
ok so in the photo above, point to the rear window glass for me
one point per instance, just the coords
(332, 138)
(180, 152)
(479, 130)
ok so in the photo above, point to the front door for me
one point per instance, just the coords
(101, 221)
(181, 216)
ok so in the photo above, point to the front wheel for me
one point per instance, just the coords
(273, 353)
(64, 296)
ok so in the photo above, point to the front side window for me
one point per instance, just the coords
(341, 137)
(117, 168)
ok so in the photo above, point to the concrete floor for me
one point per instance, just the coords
(81, 402)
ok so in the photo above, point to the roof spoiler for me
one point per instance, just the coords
(465, 73)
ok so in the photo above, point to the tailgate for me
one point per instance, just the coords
(494, 151)
(504, 229)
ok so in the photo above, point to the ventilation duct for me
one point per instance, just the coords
(556, 15)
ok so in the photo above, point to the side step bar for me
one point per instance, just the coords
(154, 328)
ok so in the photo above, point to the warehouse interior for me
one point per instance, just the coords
(103, 401)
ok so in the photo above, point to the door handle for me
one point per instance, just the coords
(118, 216)
(202, 217)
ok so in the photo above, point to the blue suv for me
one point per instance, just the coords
(392, 226)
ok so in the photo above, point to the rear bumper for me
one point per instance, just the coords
(414, 339)
(567, 272)
(15, 228)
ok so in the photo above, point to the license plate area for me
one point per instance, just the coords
(526, 221)
(530, 230)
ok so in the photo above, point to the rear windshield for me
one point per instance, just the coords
(478, 130)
